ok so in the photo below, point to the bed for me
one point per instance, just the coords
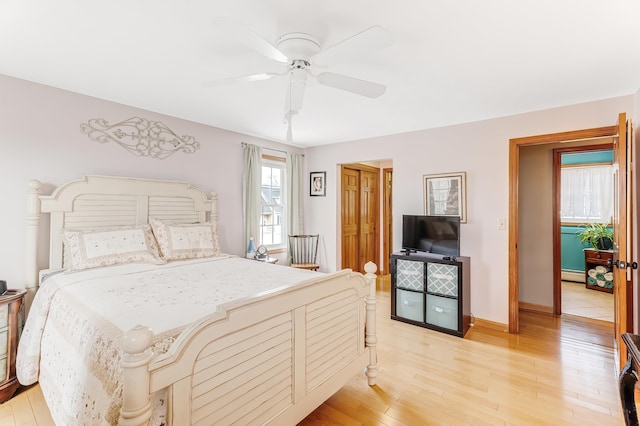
(156, 341)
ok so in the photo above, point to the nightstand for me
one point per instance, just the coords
(10, 309)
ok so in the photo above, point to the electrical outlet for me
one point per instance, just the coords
(502, 224)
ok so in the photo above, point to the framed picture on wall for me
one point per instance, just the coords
(445, 195)
(318, 184)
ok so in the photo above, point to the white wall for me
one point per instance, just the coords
(481, 149)
(40, 138)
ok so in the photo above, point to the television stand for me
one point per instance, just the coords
(432, 291)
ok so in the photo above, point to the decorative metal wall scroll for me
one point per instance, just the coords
(141, 137)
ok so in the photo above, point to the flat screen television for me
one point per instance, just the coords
(431, 234)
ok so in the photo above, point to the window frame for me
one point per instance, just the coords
(281, 164)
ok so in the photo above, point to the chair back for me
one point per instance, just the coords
(304, 251)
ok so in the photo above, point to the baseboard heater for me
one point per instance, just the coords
(575, 276)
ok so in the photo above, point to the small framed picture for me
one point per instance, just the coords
(318, 184)
(445, 195)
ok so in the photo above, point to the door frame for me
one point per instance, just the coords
(557, 221)
(515, 145)
(387, 218)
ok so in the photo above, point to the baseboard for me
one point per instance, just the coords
(491, 325)
(532, 307)
(575, 276)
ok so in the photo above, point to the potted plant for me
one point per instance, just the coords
(598, 235)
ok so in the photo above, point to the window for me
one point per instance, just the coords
(587, 194)
(272, 203)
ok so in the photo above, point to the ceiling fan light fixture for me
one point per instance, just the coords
(295, 91)
(298, 46)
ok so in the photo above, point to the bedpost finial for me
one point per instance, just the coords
(34, 185)
(370, 268)
(137, 340)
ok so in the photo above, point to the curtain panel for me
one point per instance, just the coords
(251, 180)
(587, 194)
(294, 193)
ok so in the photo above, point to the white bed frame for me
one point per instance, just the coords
(271, 359)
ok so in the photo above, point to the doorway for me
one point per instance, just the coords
(623, 290)
(583, 193)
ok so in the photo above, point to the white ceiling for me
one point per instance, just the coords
(451, 61)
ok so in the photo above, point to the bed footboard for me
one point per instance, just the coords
(271, 359)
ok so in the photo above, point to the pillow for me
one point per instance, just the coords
(110, 246)
(185, 241)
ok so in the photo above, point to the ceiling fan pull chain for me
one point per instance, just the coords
(288, 118)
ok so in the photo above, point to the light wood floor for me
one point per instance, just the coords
(557, 371)
(581, 301)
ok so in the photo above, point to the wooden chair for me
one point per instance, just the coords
(303, 250)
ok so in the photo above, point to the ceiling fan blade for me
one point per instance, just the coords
(295, 91)
(370, 39)
(240, 79)
(350, 84)
(243, 34)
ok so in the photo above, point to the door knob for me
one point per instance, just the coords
(622, 264)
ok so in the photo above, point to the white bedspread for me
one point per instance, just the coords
(71, 341)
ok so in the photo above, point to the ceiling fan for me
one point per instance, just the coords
(302, 53)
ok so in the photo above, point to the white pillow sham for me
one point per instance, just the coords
(110, 246)
(185, 241)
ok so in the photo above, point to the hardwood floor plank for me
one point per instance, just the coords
(22, 411)
(39, 408)
(461, 412)
(6, 414)
(363, 413)
(327, 416)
